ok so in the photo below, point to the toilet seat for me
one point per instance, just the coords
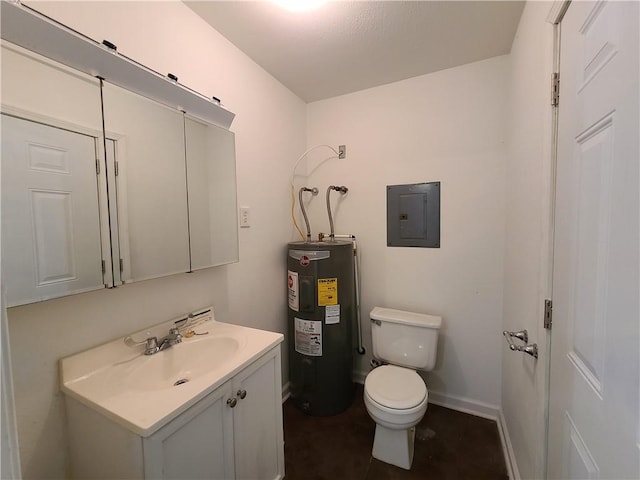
(395, 388)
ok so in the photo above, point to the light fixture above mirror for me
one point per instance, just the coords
(299, 5)
(34, 31)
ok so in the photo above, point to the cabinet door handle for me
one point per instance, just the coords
(232, 402)
(242, 394)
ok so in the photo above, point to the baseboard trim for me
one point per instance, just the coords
(507, 448)
(465, 405)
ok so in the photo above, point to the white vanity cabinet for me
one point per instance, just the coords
(197, 444)
(233, 432)
(257, 421)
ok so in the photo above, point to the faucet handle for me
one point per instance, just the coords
(151, 346)
(176, 332)
(130, 342)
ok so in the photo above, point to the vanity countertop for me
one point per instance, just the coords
(138, 391)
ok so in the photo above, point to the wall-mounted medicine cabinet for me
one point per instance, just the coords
(102, 186)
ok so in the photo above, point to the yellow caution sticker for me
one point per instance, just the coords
(327, 291)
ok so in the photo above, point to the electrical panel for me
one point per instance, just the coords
(413, 215)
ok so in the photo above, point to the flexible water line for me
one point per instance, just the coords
(314, 192)
(342, 190)
(329, 212)
(293, 173)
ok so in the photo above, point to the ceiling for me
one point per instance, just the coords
(346, 46)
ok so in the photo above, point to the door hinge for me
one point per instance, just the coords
(116, 168)
(548, 313)
(104, 268)
(121, 266)
(555, 89)
(97, 166)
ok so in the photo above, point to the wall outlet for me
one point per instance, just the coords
(245, 217)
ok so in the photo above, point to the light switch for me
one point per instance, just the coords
(245, 218)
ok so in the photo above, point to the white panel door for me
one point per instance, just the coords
(50, 221)
(594, 404)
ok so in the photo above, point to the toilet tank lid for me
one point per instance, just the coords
(408, 318)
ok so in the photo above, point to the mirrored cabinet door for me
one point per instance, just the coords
(148, 164)
(102, 186)
(52, 242)
(211, 179)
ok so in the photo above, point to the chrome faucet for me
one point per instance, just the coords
(152, 345)
(170, 340)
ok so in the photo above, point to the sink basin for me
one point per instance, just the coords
(144, 392)
(181, 363)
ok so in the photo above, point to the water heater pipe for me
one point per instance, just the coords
(356, 274)
(314, 192)
(293, 174)
(342, 189)
(356, 280)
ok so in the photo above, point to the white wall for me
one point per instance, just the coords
(10, 454)
(527, 249)
(270, 133)
(449, 127)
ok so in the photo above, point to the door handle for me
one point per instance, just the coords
(521, 335)
(530, 349)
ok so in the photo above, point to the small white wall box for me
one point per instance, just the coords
(413, 215)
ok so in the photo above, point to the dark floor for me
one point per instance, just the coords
(450, 445)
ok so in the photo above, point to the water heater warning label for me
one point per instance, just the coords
(327, 291)
(292, 282)
(308, 339)
(332, 314)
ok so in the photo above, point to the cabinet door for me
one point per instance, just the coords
(258, 437)
(50, 220)
(197, 444)
(150, 183)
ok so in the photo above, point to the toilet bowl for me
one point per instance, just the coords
(395, 395)
(396, 399)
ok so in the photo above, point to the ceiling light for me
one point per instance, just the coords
(299, 5)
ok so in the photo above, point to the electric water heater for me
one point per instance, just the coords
(321, 316)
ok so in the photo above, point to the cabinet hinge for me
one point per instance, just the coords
(121, 266)
(97, 166)
(548, 313)
(116, 168)
(555, 89)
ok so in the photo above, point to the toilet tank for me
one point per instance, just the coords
(405, 338)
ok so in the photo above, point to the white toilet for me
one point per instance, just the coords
(394, 394)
